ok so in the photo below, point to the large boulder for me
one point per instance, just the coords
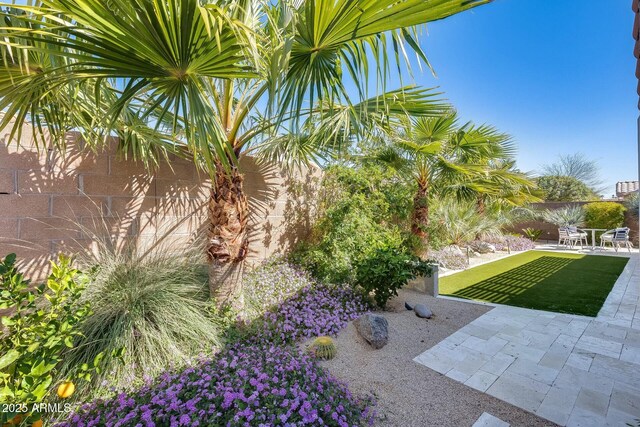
(422, 311)
(374, 329)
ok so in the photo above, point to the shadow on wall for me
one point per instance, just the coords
(52, 202)
(283, 206)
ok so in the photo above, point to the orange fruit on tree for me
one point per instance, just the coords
(66, 389)
(16, 420)
(37, 423)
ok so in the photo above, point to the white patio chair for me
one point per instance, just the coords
(565, 237)
(580, 236)
(617, 237)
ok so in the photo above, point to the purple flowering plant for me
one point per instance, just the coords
(514, 243)
(271, 283)
(262, 379)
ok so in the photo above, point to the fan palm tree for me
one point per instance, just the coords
(500, 185)
(446, 157)
(212, 80)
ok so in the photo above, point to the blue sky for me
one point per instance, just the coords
(558, 75)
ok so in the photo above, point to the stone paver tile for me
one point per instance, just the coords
(488, 420)
(567, 340)
(519, 391)
(446, 351)
(625, 399)
(556, 357)
(481, 380)
(523, 351)
(513, 338)
(456, 375)
(558, 404)
(478, 331)
(582, 418)
(576, 327)
(593, 401)
(539, 340)
(498, 364)
(472, 362)
(630, 354)
(633, 338)
(457, 337)
(532, 370)
(620, 322)
(570, 377)
(436, 363)
(599, 346)
(616, 418)
(489, 347)
(619, 370)
(580, 361)
(603, 329)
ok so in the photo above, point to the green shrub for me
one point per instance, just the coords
(363, 208)
(347, 234)
(564, 189)
(389, 196)
(42, 322)
(153, 304)
(387, 270)
(632, 204)
(604, 215)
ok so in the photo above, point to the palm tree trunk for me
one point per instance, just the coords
(228, 237)
(480, 204)
(420, 216)
(480, 209)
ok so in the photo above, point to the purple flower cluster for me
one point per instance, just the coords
(449, 259)
(271, 283)
(315, 311)
(259, 381)
(244, 386)
(513, 243)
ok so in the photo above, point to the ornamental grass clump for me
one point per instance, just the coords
(149, 304)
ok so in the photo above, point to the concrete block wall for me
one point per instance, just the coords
(45, 194)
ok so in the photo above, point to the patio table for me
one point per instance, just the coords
(593, 236)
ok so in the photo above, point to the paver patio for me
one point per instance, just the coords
(572, 370)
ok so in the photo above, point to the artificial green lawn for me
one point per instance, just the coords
(552, 281)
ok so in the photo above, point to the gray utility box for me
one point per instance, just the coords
(428, 285)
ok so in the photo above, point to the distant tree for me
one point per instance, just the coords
(577, 166)
(564, 189)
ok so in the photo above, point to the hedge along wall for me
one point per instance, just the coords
(43, 194)
(550, 231)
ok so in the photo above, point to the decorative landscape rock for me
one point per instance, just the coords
(374, 329)
(422, 311)
(408, 306)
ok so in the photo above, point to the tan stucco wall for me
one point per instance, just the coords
(44, 193)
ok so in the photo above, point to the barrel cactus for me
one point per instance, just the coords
(323, 348)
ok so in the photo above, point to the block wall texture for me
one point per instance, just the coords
(46, 193)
